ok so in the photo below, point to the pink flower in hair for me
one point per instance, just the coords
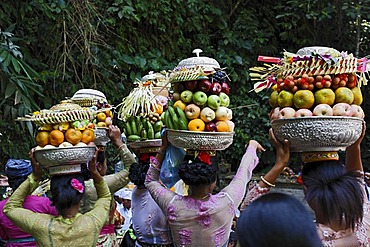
(77, 185)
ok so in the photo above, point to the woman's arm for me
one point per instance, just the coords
(267, 181)
(13, 209)
(236, 188)
(353, 153)
(161, 195)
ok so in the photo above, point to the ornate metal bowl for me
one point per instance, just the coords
(321, 133)
(101, 136)
(147, 146)
(64, 160)
(195, 140)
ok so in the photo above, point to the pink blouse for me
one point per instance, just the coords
(196, 222)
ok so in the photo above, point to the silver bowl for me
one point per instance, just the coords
(101, 136)
(53, 157)
(195, 140)
(320, 133)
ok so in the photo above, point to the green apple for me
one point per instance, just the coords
(186, 96)
(225, 100)
(214, 101)
(344, 95)
(325, 96)
(200, 98)
(303, 99)
(285, 98)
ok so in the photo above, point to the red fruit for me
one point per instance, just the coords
(225, 88)
(191, 85)
(204, 85)
(216, 88)
(210, 126)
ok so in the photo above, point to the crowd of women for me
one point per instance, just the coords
(82, 210)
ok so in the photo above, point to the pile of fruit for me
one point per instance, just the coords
(200, 97)
(63, 125)
(315, 84)
(141, 113)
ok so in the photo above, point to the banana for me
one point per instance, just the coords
(133, 138)
(128, 128)
(170, 123)
(164, 118)
(140, 127)
(182, 125)
(143, 134)
(182, 115)
(137, 121)
(150, 131)
(174, 117)
(133, 126)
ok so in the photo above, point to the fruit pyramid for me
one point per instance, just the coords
(141, 111)
(200, 97)
(63, 125)
(317, 81)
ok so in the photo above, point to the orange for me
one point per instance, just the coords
(56, 137)
(196, 125)
(88, 136)
(101, 117)
(158, 108)
(42, 138)
(222, 126)
(73, 136)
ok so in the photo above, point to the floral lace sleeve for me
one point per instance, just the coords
(161, 195)
(254, 191)
(236, 188)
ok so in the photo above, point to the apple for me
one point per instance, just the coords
(186, 96)
(225, 100)
(324, 96)
(231, 125)
(275, 113)
(214, 101)
(207, 114)
(225, 88)
(357, 111)
(357, 96)
(322, 110)
(108, 121)
(216, 88)
(273, 99)
(200, 98)
(303, 113)
(344, 95)
(303, 99)
(229, 114)
(191, 85)
(287, 112)
(204, 85)
(285, 98)
(176, 96)
(211, 127)
(221, 113)
(342, 109)
(192, 111)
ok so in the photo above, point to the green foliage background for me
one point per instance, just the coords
(66, 45)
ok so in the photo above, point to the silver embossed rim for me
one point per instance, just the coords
(200, 140)
(321, 133)
(101, 136)
(64, 156)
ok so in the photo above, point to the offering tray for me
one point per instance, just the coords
(64, 160)
(147, 146)
(196, 140)
(319, 133)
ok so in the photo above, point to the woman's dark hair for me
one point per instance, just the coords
(63, 195)
(14, 182)
(277, 219)
(196, 172)
(138, 172)
(333, 192)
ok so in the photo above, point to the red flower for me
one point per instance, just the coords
(205, 157)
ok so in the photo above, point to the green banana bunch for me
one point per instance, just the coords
(175, 118)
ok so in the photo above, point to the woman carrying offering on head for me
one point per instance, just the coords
(201, 218)
(69, 228)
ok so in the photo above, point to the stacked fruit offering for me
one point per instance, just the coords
(201, 104)
(141, 113)
(320, 95)
(64, 125)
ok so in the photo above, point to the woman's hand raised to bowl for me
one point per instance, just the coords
(93, 169)
(36, 168)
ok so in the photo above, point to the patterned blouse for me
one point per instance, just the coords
(197, 222)
(81, 230)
